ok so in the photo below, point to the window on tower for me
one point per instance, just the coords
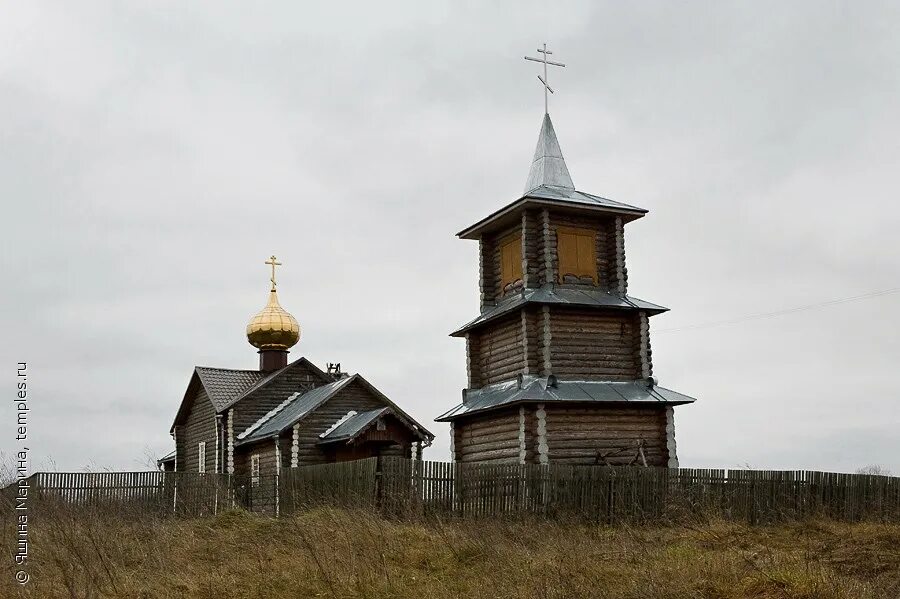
(577, 250)
(510, 260)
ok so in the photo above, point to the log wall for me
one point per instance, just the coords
(178, 434)
(490, 438)
(486, 272)
(265, 448)
(578, 435)
(200, 425)
(531, 321)
(531, 247)
(299, 378)
(595, 344)
(473, 360)
(579, 343)
(497, 351)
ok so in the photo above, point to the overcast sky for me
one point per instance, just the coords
(153, 154)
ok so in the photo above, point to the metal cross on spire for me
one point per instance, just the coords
(273, 262)
(543, 79)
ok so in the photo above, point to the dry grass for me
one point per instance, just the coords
(337, 553)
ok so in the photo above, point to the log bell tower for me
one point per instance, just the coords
(559, 363)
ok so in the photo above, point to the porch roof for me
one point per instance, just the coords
(352, 427)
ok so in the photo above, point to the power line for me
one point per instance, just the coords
(834, 302)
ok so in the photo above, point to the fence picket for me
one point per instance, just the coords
(405, 487)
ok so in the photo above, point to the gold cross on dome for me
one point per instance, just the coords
(273, 262)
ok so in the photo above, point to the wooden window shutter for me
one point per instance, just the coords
(577, 252)
(510, 260)
(567, 250)
(587, 261)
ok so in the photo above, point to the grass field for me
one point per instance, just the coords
(338, 553)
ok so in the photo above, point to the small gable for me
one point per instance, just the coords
(373, 425)
(367, 404)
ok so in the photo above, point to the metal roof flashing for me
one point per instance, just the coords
(549, 293)
(550, 390)
(352, 425)
(566, 200)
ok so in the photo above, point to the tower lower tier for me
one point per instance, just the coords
(535, 420)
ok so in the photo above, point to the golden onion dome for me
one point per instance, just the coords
(273, 327)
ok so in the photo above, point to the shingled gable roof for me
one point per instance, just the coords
(297, 406)
(225, 386)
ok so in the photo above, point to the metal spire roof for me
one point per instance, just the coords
(548, 168)
(549, 184)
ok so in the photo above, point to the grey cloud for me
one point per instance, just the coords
(152, 156)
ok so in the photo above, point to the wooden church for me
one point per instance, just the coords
(284, 415)
(559, 363)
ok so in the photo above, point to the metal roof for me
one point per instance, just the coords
(533, 389)
(354, 425)
(561, 194)
(224, 385)
(553, 294)
(548, 167)
(169, 457)
(554, 197)
(298, 406)
(549, 184)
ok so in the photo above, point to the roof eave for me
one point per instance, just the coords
(252, 440)
(333, 441)
(475, 231)
(169, 457)
(472, 325)
(446, 417)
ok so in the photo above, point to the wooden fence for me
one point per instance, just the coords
(611, 495)
(407, 488)
(139, 493)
